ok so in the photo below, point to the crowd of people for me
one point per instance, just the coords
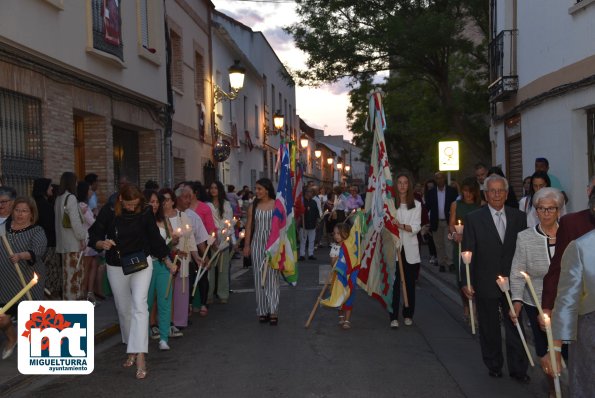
(189, 234)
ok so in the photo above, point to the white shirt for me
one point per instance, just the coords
(441, 202)
(198, 228)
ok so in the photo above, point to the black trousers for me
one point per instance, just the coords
(490, 337)
(410, 271)
(203, 285)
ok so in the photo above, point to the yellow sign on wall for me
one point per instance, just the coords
(448, 155)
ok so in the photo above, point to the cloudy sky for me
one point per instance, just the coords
(324, 107)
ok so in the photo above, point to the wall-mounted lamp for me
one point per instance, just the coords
(329, 160)
(236, 82)
(304, 142)
(339, 166)
(318, 153)
(278, 121)
(347, 168)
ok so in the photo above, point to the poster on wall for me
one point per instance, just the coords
(112, 23)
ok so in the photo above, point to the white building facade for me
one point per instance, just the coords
(247, 121)
(542, 90)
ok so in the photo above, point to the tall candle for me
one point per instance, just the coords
(550, 344)
(533, 294)
(504, 285)
(19, 294)
(467, 260)
(459, 228)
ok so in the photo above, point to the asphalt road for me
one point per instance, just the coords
(229, 354)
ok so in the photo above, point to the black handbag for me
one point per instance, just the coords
(131, 262)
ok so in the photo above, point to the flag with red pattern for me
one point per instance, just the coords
(378, 264)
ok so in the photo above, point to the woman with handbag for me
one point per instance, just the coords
(71, 235)
(130, 236)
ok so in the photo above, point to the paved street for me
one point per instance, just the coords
(229, 354)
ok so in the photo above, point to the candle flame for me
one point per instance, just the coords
(459, 222)
(35, 277)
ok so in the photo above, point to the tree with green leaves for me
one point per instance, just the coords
(435, 51)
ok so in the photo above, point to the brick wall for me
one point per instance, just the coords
(99, 158)
(60, 102)
(149, 156)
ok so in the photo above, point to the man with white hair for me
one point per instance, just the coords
(490, 234)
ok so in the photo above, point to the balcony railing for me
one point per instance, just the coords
(504, 80)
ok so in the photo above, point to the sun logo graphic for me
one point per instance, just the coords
(56, 337)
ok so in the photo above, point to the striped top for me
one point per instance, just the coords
(262, 230)
(31, 239)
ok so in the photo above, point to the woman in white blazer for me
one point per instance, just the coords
(71, 237)
(409, 224)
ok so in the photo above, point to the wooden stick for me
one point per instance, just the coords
(169, 281)
(264, 271)
(331, 276)
(16, 266)
(403, 285)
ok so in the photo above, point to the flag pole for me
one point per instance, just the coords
(264, 272)
(403, 285)
(329, 281)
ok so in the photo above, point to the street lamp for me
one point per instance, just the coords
(236, 82)
(304, 142)
(347, 168)
(329, 161)
(278, 121)
(318, 153)
(339, 165)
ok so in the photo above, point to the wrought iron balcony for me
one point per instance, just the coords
(504, 80)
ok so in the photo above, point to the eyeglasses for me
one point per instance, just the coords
(546, 210)
(496, 191)
(3, 202)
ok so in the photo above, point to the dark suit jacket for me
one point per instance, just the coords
(432, 204)
(572, 226)
(491, 257)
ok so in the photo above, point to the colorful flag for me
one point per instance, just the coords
(281, 248)
(348, 264)
(298, 194)
(378, 264)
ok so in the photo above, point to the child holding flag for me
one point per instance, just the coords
(345, 267)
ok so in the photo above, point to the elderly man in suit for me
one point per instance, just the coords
(490, 234)
(438, 201)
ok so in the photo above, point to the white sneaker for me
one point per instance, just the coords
(408, 321)
(155, 334)
(163, 345)
(175, 332)
(394, 324)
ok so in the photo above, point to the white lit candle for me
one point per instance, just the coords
(467, 257)
(504, 285)
(459, 228)
(533, 294)
(20, 294)
(550, 344)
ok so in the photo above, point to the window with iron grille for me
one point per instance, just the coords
(107, 27)
(21, 156)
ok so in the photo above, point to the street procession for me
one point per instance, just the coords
(297, 198)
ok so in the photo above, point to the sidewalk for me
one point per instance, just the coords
(106, 325)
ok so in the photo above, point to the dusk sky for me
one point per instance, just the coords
(323, 107)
